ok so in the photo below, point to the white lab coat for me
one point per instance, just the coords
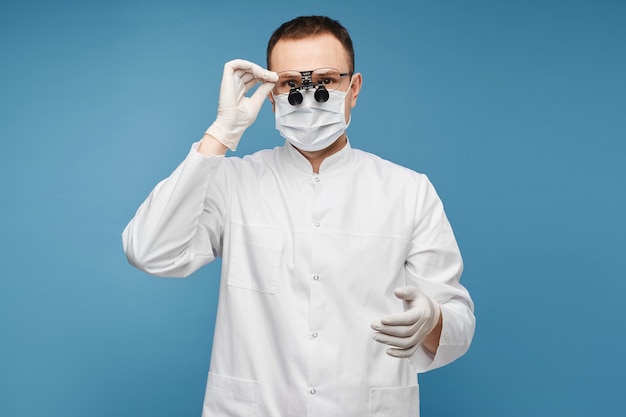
(309, 261)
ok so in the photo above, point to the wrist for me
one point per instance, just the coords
(227, 136)
(431, 343)
(210, 146)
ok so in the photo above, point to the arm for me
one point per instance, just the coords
(209, 146)
(438, 323)
(435, 266)
(431, 342)
(178, 228)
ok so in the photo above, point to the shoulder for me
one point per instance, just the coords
(386, 169)
(258, 160)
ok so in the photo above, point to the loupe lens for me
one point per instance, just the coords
(321, 94)
(295, 97)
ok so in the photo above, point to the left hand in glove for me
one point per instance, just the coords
(404, 332)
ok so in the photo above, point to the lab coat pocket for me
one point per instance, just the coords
(255, 258)
(226, 396)
(392, 402)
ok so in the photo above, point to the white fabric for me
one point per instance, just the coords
(309, 261)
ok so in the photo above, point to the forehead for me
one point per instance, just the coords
(309, 53)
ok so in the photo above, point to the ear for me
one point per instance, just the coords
(355, 88)
(270, 96)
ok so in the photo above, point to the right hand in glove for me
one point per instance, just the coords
(235, 111)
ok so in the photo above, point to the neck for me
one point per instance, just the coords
(316, 158)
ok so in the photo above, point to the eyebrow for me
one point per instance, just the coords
(290, 75)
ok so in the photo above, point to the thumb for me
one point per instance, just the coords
(260, 94)
(407, 293)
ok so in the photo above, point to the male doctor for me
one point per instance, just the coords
(340, 271)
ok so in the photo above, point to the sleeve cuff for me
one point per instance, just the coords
(456, 337)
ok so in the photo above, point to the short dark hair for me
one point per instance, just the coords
(305, 26)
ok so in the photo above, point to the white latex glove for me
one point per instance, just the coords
(405, 332)
(235, 111)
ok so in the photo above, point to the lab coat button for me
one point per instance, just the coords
(314, 334)
(316, 277)
(312, 391)
(317, 224)
(316, 179)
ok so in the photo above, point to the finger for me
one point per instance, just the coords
(377, 324)
(399, 331)
(406, 293)
(254, 81)
(397, 342)
(402, 319)
(402, 353)
(263, 74)
(261, 93)
(421, 326)
(247, 77)
(256, 70)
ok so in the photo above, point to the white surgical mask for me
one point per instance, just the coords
(311, 126)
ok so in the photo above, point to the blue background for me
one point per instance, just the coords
(515, 109)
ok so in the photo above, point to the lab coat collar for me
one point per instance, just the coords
(336, 162)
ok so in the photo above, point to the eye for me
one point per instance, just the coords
(328, 77)
(331, 83)
(285, 84)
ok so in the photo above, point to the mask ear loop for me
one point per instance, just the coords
(349, 85)
(345, 94)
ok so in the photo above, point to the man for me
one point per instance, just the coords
(340, 271)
